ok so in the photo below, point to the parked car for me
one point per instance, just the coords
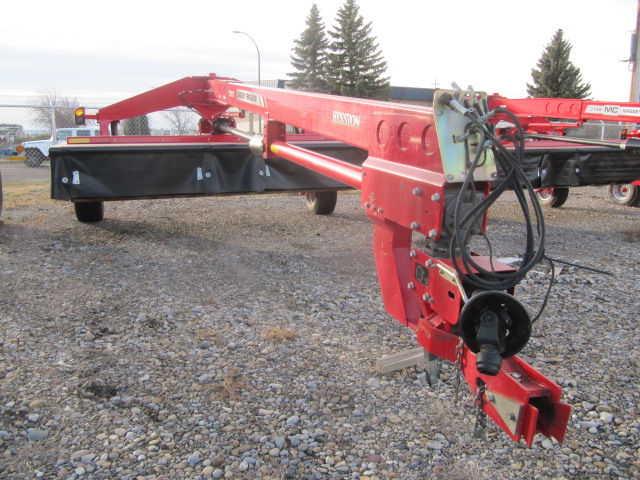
(37, 151)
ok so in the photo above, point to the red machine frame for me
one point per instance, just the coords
(534, 113)
(412, 164)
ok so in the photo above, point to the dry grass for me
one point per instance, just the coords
(231, 387)
(280, 334)
(31, 455)
(210, 334)
(25, 194)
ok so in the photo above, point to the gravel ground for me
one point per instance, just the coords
(236, 337)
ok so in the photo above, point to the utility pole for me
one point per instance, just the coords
(633, 60)
(53, 115)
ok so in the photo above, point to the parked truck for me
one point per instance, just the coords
(37, 151)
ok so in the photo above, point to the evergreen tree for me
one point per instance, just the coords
(557, 77)
(136, 126)
(355, 66)
(310, 56)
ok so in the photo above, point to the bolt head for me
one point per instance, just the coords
(433, 233)
(415, 225)
(366, 204)
(435, 197)
(411, 286)
(417, 191)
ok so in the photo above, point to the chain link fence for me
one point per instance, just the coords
(22, 122)
(24, 118)
(599, 130)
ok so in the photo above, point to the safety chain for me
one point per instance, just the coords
(480, 429)
(457, 372)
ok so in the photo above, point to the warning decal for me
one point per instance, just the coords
(252, 98)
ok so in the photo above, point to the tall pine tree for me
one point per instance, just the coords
(310, 56)
(557, 77)
(355, 66)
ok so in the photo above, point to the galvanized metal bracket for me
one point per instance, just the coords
(509, 411)
(450, 275)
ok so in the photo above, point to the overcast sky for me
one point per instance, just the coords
(128, 47)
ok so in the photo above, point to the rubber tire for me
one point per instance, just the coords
(89, 212)
(321, 203)
(34, 158)
(553, 197)
(616, 194)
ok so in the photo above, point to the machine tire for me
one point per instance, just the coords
(89, 212)
(34, 158)
(321, 203)
(624, 194)
(553, 197)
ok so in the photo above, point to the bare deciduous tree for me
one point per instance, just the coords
(183, 122)
(54, 110)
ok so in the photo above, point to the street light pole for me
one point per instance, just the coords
(257, 50)
(259, 83)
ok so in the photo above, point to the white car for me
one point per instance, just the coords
(37, 151)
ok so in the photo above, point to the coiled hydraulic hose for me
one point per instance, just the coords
(510, 162)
